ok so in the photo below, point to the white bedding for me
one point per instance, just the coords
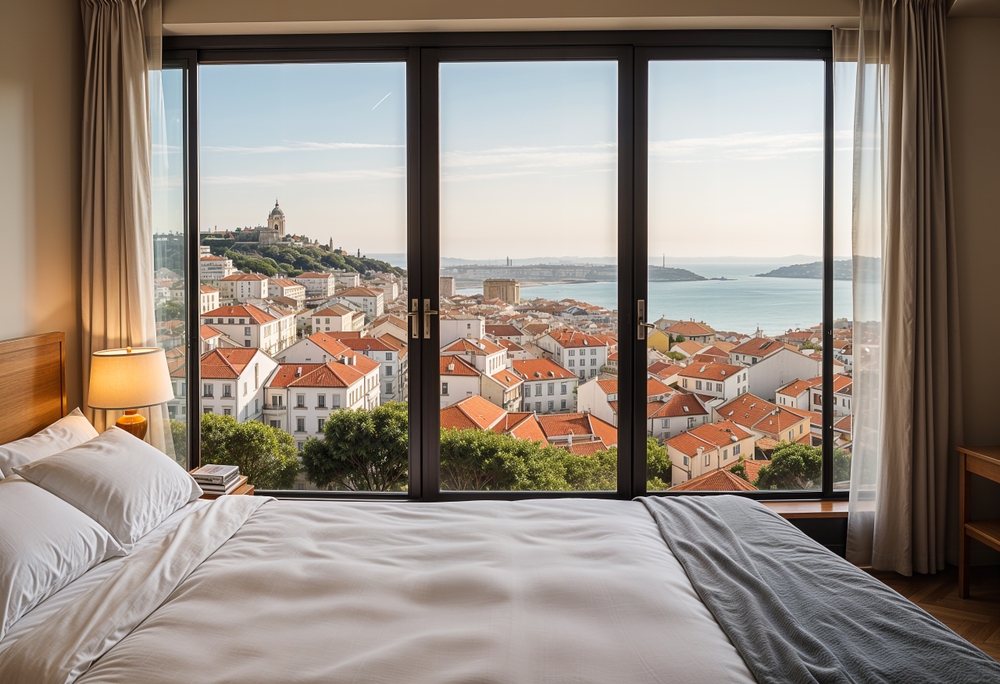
(486, 591)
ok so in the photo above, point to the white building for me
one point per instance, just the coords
(347, 279)
(286, 287)
(599, 397)
(301, 396)
(253, 327)
(233, 380)
(706, 448)
(773, 365)
(459, 380)
(390, 325)
(461, 326)
(716, 380)
(674, 414)
(392, 360)
(372, 303)
(337, 318)
(211, 267)
(548, 387)
(239, 287)
(580, 353)
(209, 299)
(317, 284)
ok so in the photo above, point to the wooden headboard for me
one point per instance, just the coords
(33, 382)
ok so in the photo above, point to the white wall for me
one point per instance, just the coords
(41, 87)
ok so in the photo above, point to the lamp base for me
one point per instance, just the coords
(133, 423)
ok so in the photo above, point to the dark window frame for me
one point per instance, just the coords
(422, 53)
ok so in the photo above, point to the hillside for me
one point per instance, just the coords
(668, 274)
(841, 271)
(291, 260)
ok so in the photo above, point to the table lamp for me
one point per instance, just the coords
(129, 379)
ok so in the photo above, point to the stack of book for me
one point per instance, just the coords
(217, 479)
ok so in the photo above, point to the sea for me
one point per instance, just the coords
(742, 303)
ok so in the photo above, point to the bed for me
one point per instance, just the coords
(251, 589)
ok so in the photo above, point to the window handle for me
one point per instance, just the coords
(644, 327)
(412, 319)
(428, 312)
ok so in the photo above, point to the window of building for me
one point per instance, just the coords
(320, 401)
(208, 389)
(300, 424)
(444, 389)
(300, 401)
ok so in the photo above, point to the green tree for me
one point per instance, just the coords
(170, 310)
(591, 472)
(658, 466)
(264, 454)
(740, 470)
(841, 465)
(676, 356)
(178, 433)
(793, 466)
(485, 460)
(361, 450)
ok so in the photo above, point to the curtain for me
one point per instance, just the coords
(121, 40)
(907, 380)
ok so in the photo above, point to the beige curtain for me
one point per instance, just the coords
(121, 39)
(909, 410)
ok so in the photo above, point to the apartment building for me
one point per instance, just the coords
(233, 380)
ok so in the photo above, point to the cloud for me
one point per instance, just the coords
(297, 147)
(502, 162)
(307, 177)
(750, 146)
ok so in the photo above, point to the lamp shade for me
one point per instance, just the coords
(129, 378)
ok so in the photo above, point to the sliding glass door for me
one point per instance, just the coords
(505, 266)
(529, 274)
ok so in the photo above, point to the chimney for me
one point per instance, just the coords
(451, 368)
(569, 438)
(298, 372)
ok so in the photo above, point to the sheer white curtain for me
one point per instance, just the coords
(907, 392)
(122, 42)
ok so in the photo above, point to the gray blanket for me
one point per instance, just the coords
(798, 613)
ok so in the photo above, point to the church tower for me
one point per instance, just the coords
(276, 220)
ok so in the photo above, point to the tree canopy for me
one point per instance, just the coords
(361, 450)
(800, 466)
(264, 454)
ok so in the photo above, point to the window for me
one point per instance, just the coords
(528, 152)
(208, 388)
(300, 424)
(320, 422)
(227, 411)
(736, 450)
(686, 462)
(708, 458)
(571, 363)
(227, 391)
(320, 401)
(246, 332)
(300, 401)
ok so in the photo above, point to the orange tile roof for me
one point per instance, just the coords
(244, 276)
(541, 369)
(330, 374)
(358, 292)
(207, 332)
(708, 436)
(313, 274)
(523, 426)
(335, 310)
(327, 343)
(716, 481)
(797, 387)
(678, 405)
(710, 371)
(362, 344)
(585, 448)
(510, 345)
(844, 424)
(465, 346)
(456, 365)
(689, 329)
(212, 257)
(750, 466)
(574, 339)
(581, 424)
(608, 386)
(471, 412)
(250, 311)
(758, 346)
(507, 378)
(226, 362)
(655, 388)
(503, 331)
(687, 347)
(206, 289)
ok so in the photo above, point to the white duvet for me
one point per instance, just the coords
(488, 591)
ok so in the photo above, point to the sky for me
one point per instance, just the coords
(528, 156)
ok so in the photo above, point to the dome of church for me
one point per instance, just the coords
(276, 211)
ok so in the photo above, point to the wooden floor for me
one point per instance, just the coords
(976, 618)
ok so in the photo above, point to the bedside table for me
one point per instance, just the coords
(242, 489)
(985, 462)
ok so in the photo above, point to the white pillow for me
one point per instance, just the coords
(44, 545)
(66, 432)
(120, 481)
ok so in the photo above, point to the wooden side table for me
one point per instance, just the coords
(985, 462)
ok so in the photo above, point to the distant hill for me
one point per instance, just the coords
(842, 270)
(286, 260)
(668, 274)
